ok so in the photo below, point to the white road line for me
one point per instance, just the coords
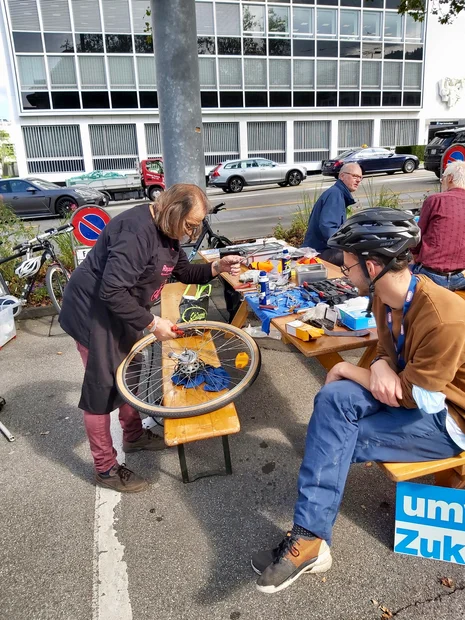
(110, 600)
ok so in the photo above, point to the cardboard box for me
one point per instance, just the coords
(355, 318)
(302, 331)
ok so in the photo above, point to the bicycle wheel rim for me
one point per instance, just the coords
(147, 384)
(56, 282)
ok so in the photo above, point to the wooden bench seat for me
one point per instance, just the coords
(179, 431)
(447, 472)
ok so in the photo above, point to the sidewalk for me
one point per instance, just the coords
(71, 552)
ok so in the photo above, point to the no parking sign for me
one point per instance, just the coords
(456, 152)
(88, 223)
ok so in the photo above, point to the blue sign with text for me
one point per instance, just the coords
(430, 522)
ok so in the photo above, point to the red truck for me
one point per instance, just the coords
(152, 177)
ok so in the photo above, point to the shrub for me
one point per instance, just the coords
(294, 235)
(416, 149)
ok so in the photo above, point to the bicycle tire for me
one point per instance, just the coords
(51, 271)
(219, 242)
(200, 408)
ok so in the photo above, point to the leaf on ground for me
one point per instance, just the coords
(59, 352)
(375, 602)
(387, 613)
(45, 433)
(369, 464)
(447, 582)
(324, 580)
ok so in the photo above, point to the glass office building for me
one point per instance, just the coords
(289, 80)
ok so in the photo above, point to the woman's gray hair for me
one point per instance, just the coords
(456, 173)
(174, 205)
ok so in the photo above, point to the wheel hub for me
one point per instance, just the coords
(188, 362)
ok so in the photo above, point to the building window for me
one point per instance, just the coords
(228, 21)
(122, 76)
(256, 99)
(148, 99)
(55, 15)
(95, 100)
(204, 18)
(92, 71)
(143, 44)
(412, 99)
(205, 45)
(413, 52)
(412, 75)
(152, 137)
(278, 20)
(349, 99)
(349, 23)
(139, 15)
(53, 148)
(392, 99)
(221, 141)
(207, 71)
(86, 15)
(267, 139)
(62, 72)
(280, 99)
(116, 16)
(349, 74)
(326, 100)
(146, 72)
(118, 43)
(372, 50)
(62, 43)
(230, 73)
(254, 47)
(253, 19)
(124, 99)
(326, 76)
(371, 74)
(24, 15)
(229, 46)
(255, 73)
(393, 26)
(32, 72)
(89, 43)
(326, 23)
(413, 29)
(372, 21)
(371, 99)
(304, 74)
(63, 100)
(392, 77)
(326, 49)
(35, 101)
(352, 134)
(114, 146)
(209, 99)
(303, 22)
(27, 42)
(393, 51)
(311, 140)
(303, 47)
(304, 99)
(231, 100)
(349, 49)
(399, 132)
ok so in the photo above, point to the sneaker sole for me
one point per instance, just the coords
(255, 569)
(109, 486)
(322, 564)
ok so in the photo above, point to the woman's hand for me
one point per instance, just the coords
(385, 384)
(162, 328)
(229, 264)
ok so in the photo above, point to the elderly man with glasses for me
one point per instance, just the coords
(330, 212)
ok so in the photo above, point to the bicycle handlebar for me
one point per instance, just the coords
(218, 207)
(47, 234)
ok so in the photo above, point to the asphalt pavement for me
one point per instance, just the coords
(256, 210)
(69, 551)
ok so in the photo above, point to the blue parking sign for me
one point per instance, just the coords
(430, 522)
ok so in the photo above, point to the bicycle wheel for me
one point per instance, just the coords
(173, 379)
(219, 242)
(56, 279)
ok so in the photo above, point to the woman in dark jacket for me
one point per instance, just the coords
(106, 308)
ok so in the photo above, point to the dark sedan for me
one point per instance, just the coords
(371, 160)
(32, 197)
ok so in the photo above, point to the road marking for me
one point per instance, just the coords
(110, 600)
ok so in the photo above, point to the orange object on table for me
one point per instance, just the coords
(262, 266)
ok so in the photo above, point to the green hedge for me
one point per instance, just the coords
(415, 149)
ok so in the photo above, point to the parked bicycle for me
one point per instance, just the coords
(213, 240)
(56, 276)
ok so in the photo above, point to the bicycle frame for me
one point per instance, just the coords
(207, 231)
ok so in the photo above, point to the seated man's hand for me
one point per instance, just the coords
(385, 384)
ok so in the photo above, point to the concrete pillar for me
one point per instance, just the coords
(333, 138)
(377, 133)
(178, 87)
(289, 141)
(243, 140)
(86, 147)
(141, 141)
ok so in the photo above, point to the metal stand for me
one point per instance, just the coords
(227, 471)
(3, 428)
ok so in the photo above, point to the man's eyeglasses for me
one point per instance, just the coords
(354, 176)
(345, 270)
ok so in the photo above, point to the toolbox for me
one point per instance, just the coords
(355, 316)
(310, 273)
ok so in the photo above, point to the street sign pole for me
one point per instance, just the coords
(178, 88)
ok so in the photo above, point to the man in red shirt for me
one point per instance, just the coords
(440, 255)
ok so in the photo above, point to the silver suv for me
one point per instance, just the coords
(232, 175)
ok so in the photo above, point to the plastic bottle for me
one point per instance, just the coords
(286, 265)
(264, 287)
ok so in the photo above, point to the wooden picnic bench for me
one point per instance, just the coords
(179, 431)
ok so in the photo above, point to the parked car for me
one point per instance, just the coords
(234, 174)
(32, 197)
(441, 141)
(371, 160)
(152, 177)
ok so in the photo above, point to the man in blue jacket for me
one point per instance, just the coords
(329, 213)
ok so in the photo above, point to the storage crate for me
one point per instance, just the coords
(7, 325)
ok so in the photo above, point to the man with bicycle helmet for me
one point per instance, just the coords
(408, 406)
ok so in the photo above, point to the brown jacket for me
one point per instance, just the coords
(434, 345)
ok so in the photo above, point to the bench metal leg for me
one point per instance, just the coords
(227, 471)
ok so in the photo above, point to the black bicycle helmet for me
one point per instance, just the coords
(378, 230)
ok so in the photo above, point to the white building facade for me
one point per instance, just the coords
(299, 80)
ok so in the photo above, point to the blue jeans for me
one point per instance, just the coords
(349, 425)
(453, 283)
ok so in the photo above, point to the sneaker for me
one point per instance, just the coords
(121, 479)
(147, 441)
(294, 556)
(262, 559)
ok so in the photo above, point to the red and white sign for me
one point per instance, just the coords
(88, 223)
(456, 152)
